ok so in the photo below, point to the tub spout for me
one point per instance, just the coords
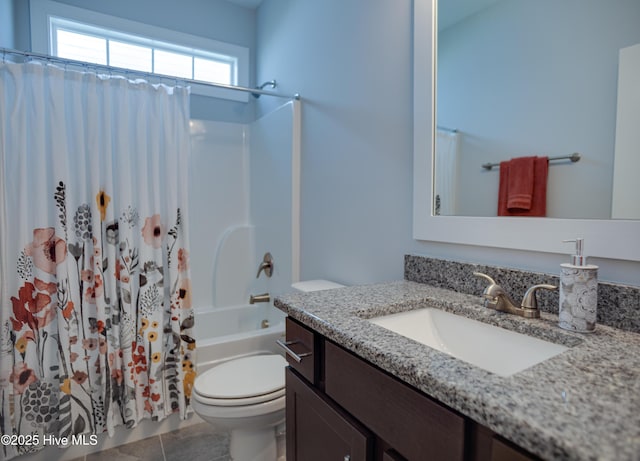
(262, 298)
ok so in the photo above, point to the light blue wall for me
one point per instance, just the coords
(20, 24)
(214, 19)
(6, 24)
(14, 24)
(351, 61)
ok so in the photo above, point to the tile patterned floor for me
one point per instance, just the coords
(194, 443)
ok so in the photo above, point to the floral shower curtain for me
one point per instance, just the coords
(96, 318)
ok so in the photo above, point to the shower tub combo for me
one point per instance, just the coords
(246, 175)
(227, 333)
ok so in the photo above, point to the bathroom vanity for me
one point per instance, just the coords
(350, 409)
(363, 392)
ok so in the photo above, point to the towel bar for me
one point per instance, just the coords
(575, 157)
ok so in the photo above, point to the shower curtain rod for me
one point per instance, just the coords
(131, 72)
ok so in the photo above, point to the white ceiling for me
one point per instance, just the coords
(449, 11)
(452, 11)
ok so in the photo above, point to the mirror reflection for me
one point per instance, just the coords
(518, 79)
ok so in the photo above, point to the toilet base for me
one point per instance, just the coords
(253, 444)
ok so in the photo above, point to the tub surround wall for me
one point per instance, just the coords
(617, 304)
(218, 201)
(271, 197)
(240, 207)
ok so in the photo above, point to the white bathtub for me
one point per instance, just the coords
(231, 332)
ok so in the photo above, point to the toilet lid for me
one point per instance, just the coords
(244, 378)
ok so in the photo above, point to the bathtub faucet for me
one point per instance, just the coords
(263, 298)
(266, 265)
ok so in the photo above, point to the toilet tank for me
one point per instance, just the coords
(315, 285)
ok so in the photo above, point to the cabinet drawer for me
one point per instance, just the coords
(317, 430)
(415, 426)
(300, 346)
(504, 451)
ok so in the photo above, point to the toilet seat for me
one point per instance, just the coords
(240, 382)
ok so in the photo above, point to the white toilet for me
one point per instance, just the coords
(246, 396)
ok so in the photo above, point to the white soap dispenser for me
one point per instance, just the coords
(578, 292)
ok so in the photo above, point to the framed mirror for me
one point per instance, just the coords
(615, 239)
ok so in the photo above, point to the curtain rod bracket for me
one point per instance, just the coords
(272, 83)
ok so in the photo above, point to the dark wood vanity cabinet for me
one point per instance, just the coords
(340, 407)
(318, 430)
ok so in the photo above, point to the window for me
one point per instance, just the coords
(82, 35)
(84, 42)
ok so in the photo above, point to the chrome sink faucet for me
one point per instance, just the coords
(497, 298)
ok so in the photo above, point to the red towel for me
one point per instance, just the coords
(523, 187)
(520, 184)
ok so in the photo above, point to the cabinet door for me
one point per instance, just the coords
(417, 427)
(319, 431)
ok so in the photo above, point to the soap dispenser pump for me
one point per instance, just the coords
(578, 292)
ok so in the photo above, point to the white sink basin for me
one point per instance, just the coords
(492, 348)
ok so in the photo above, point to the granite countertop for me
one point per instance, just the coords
(583, 404)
